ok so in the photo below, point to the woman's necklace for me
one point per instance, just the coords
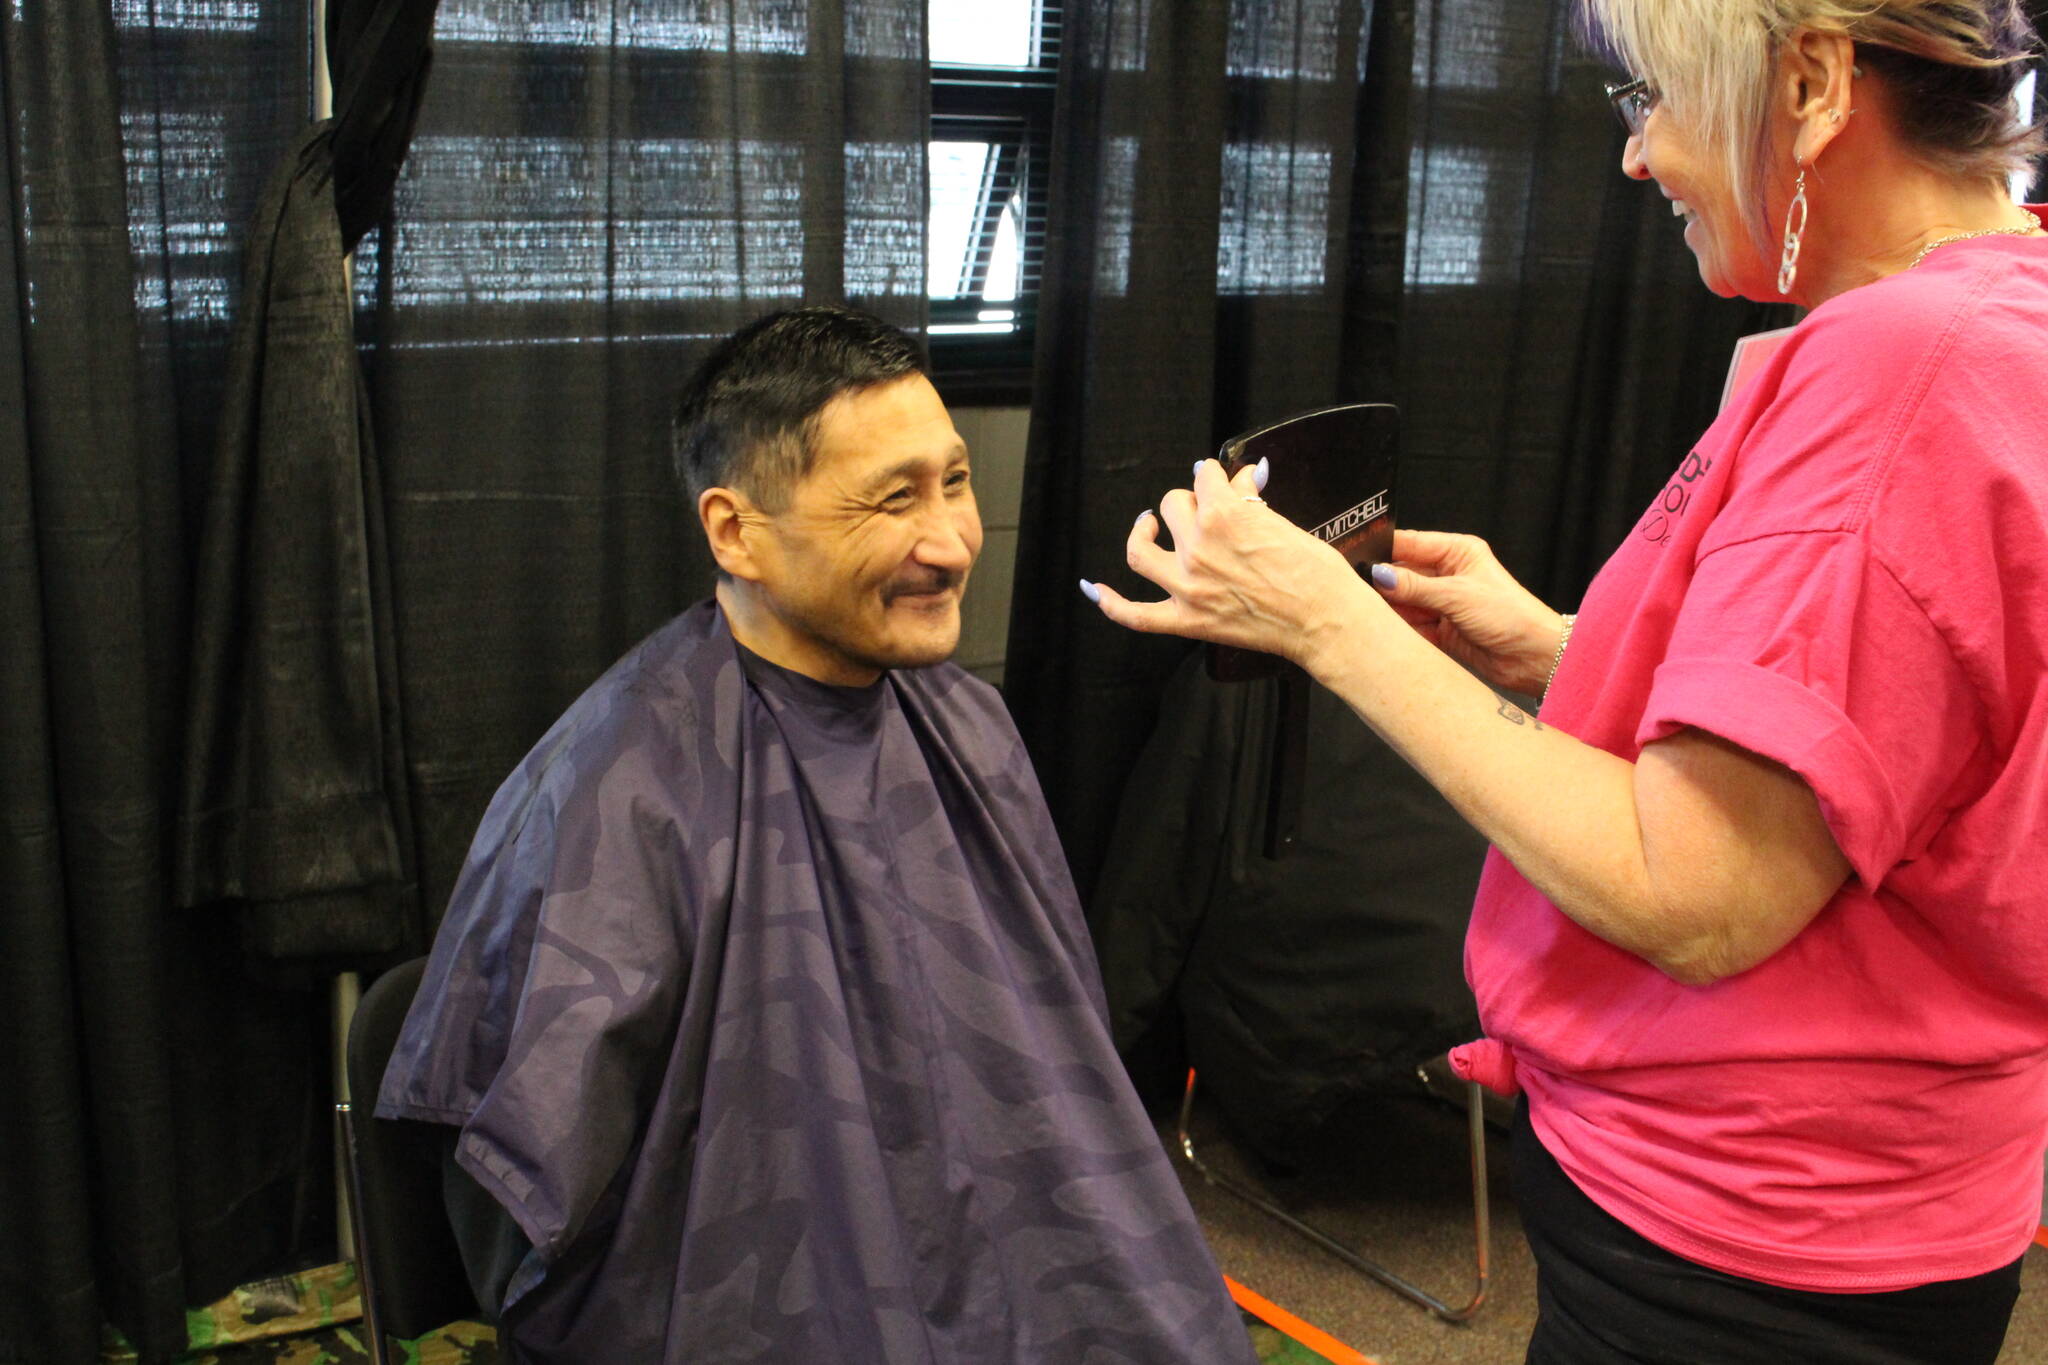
(2030, 230)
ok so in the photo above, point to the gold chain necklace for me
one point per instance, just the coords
(2030, 230)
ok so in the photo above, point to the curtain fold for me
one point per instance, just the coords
(378, 55)
(1278, 204)
(58, 245)
(294, 807)
(129, 1187)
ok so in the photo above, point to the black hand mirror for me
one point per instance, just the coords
(1330, 472)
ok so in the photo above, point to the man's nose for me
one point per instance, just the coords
(948, 538)
(1632, 158)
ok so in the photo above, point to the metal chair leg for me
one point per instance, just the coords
(1481, 1220)
(352, 1190)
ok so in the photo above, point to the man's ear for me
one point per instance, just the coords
(730, 520)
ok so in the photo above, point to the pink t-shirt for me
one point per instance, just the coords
(1849, 575)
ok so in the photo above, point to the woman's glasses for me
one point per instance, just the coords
(1633, 101)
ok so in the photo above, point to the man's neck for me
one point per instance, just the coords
(757, 626)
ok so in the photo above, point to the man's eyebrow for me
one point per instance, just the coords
(909, 468)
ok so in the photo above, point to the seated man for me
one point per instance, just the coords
(764, 1005)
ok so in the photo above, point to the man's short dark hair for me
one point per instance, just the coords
(748, 417)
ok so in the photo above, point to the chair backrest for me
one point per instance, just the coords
(406, 1256)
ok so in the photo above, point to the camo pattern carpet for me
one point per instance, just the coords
(315, 1318)
(311, 1318)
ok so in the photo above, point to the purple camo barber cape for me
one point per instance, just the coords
(767, 1010)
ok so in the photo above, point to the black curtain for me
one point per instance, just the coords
(1273, 204)
(594, 192)
(160, 1138)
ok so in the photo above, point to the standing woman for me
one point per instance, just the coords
(1763, 942)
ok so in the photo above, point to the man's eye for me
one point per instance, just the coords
(957, 479)
(901, 497)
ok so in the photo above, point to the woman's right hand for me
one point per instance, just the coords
(1453, 590)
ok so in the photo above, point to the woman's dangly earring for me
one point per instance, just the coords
(1795, 234)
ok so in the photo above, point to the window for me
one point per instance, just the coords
(994, 67)
(2023, 101)
(211, 93)
(588, 171)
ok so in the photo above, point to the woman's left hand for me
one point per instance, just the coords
(1238, 574)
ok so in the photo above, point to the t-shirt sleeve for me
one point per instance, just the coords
(1803, 648)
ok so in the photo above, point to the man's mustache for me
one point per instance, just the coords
(935, 582)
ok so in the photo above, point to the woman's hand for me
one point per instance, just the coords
(1453, 590)
(1238, 574)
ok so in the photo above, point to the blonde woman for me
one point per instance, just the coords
(1763, 943)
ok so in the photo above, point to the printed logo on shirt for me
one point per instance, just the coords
(1661, 520)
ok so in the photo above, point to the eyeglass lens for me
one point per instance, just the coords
(1632, 103)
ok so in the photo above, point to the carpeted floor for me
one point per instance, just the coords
(315, 1318)
(1395, 1186)
(474, 1344)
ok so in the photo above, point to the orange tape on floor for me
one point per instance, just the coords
(1278, 1318)
(2041, 1235)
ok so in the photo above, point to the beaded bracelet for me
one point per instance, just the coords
(1563, 639)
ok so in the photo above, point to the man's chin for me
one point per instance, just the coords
(925, 653)
(928, 643)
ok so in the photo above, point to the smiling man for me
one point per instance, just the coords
(764, 1012)
(844, 548)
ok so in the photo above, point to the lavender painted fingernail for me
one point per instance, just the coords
(1260, 473)
(1385, 577)
(1091, 592)
(1198, 467)
(1141, 517)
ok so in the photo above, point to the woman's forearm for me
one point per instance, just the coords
(1661, 861)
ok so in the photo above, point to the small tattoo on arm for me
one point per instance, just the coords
(1515, 715)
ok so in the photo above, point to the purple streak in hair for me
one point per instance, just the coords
(1592, 37)
(2012, 32)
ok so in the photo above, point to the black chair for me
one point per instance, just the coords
(1482, 1217)
(407, 1263)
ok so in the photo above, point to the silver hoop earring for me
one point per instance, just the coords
(1795, 234)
